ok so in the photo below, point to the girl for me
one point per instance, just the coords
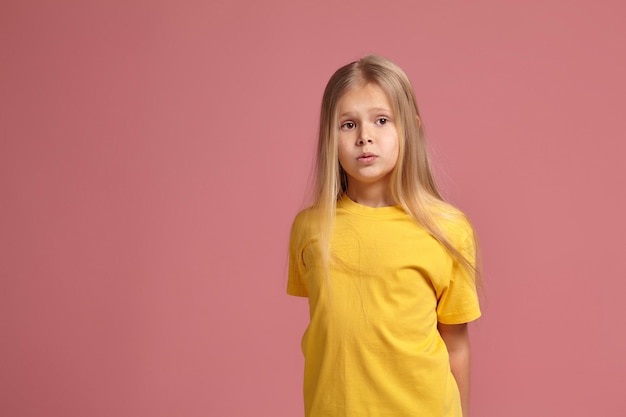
(387, 265)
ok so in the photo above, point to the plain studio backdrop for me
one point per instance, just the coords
(153, 155)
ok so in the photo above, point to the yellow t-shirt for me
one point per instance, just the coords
(372, 347)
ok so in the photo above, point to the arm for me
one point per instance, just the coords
(456, 338)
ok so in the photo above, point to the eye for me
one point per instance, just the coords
(348, 126)
(382, 121)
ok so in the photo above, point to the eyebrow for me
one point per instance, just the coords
(373, 110)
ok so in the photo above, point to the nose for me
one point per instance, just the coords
(364, 137)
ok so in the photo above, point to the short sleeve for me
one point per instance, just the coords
(296, 281)
(458, 303)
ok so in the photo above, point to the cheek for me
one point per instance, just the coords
(342, 160)
(395, 153)
(342, 153)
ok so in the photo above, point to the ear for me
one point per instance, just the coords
(419, 121)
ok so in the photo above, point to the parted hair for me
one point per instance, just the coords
(412, 183)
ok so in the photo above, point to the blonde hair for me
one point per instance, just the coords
(412, 183)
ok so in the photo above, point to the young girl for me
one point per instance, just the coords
(387, 265)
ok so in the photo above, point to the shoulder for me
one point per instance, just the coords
(454, 223)
(304, 224)
(304, 219)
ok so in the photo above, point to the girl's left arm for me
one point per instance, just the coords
(456, 337)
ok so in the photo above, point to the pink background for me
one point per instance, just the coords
(153, 155)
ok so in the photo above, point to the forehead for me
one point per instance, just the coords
(363, 97)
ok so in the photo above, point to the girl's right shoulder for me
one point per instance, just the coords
(305, 221)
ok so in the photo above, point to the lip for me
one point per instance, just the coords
(366, 158)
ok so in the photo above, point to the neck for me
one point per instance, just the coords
(371, 195)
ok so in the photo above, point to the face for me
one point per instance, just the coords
(368, 139)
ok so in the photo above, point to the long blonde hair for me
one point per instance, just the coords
(412, 183)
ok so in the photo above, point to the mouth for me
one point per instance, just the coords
(366, 157)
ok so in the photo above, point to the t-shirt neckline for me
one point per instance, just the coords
(356, 208)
